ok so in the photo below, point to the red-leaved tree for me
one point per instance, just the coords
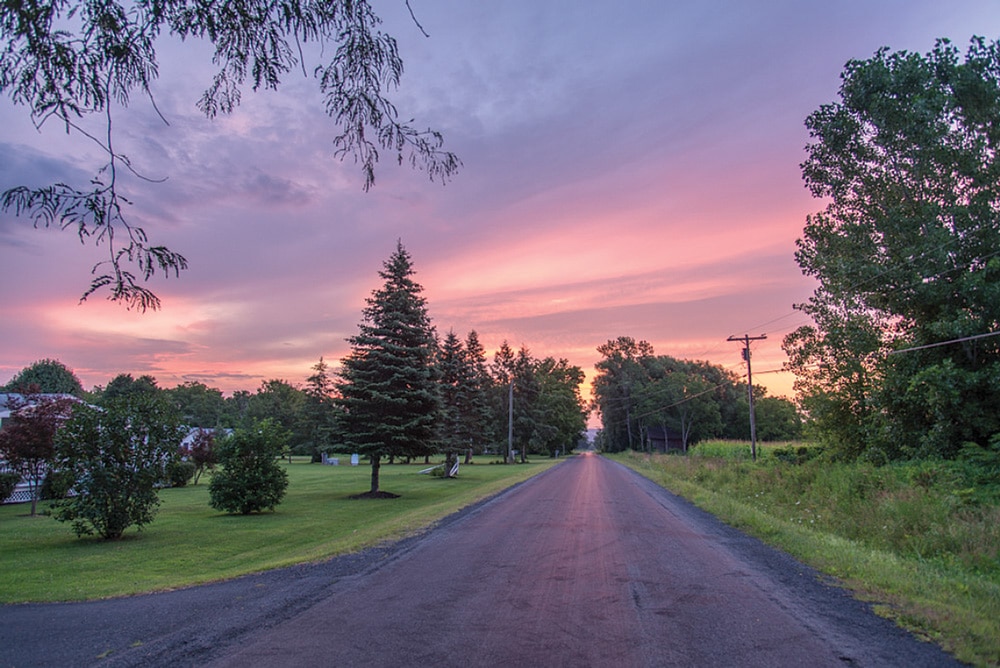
(27, 440)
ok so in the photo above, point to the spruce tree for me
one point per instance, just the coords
(388, 382)
(477, 394)
(455, 379)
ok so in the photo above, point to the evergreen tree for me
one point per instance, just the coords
(476, 400)
(502, 371)
(389, 383)
(454, 382)
(319, 414)
(527, 389)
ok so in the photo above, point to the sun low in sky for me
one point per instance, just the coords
(629, 169)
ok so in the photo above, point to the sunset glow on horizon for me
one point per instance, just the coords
(630, 169)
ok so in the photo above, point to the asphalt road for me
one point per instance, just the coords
(587, 564)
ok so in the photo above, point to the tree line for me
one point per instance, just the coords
(401, 393)
(637, 391)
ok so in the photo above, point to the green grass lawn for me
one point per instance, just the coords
(189, 542)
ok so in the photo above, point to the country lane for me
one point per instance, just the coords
(588, 564)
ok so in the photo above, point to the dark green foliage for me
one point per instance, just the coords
(45, 376)
(481, 426)
(981, 468)
(199, 405)
(549, 416)
(124, 385)
(318, 414)
(636, 390)
(8, 481)
(454, 428)
(180, 473)
(796, 455)
(902, 361)
(618, 375)
(251, 479)
(561, 418)
(389, 392)
(280, 401)
(66, 60)
(56, 485)
(117, 456)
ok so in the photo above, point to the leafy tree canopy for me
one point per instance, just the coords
(251, 479)
(117, 456)
(124, 385)
(48, 376)
(67, 61)
(903, 359)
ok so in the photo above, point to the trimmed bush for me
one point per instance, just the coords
(180, 473)
(8, 481)
(251, 480)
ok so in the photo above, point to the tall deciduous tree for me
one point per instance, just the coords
(74, 60)
(619, 372)
(388, 383)
(562, 418)
(906, 255)
(47, 376)
(124, 385)
(198, 404)
(282, 402)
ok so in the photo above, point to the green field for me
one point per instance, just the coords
(190, 543)
(911, 538)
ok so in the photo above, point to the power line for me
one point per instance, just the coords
(945, 343)
(746, 339)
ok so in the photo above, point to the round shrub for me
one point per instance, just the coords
(179, 473)
(251, 479)
(8, 481)
(57, 485)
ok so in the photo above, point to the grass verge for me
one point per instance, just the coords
(190, 543)
(843, 522)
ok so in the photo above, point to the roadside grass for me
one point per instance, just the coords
(907, 538)
(191, 543)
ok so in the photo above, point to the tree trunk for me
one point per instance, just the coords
(376, 463)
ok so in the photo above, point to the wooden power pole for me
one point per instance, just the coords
(746, 339)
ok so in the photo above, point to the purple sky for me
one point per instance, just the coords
(630, 168)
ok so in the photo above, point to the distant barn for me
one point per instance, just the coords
(662, 439)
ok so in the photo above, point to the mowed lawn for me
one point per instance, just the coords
(189, 542)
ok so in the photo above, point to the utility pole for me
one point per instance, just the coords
(510, 423)
(746, 339)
